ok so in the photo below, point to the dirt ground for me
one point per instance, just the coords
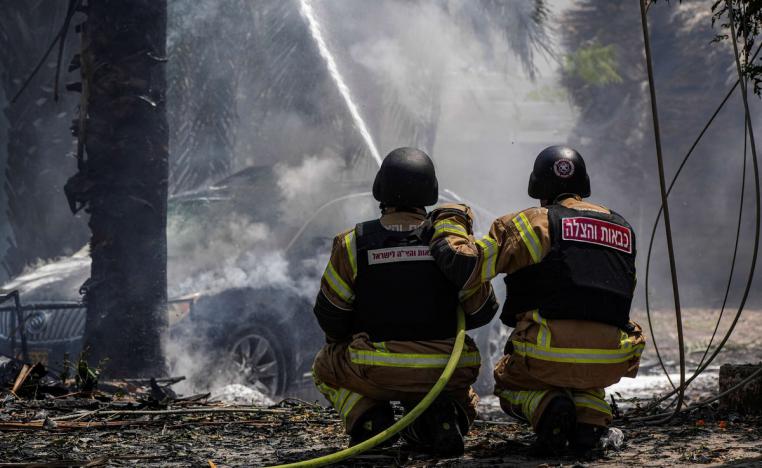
(296, 431)
(74, 431)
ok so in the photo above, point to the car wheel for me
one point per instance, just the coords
(255, 359)
(247, 337)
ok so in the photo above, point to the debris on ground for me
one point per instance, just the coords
(64, 421)
(142, 423)
(241, 394)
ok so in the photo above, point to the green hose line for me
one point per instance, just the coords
(407, 419)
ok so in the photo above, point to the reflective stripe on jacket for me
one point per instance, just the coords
(569, 353)
(514, 241)
(337, 285)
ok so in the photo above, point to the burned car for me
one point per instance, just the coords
(245, 258)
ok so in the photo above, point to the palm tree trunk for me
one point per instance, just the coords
(123, 181)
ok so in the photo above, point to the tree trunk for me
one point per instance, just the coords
(123, 181)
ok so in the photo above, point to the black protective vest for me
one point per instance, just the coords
(400, 294)
(589, 273)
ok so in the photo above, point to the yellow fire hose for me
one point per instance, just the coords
(407, 419)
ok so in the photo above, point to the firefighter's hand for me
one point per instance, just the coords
(455, 211)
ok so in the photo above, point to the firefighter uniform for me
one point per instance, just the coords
(570, 276)
(389, 315)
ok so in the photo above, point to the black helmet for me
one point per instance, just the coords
(558, 170)
(406, 178)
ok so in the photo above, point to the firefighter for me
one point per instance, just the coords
(389, 317)
(570, 276)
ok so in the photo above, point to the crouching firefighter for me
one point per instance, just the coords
(570, 276)
(389, 316)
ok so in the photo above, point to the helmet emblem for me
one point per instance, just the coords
(563, 168)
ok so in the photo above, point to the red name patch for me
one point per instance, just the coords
(595, 231)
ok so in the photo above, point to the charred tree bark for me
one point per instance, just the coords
(123, 182)
(747, 399)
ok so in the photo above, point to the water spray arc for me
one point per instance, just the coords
(317, 35)
(460, 332)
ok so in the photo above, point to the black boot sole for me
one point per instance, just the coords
(443, 437)
(556, 426)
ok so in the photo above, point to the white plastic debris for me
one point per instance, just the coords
(613, 440)
(241, 395)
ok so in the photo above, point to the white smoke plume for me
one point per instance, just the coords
(437, 75)
(233, 252)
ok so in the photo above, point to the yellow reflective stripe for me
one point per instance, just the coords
(514, 397)
(600, 394)
(381, 346)
(592, 403)
(349, 241)
(338, 285)
(489, 257)
(543, 334)
(341, 398)
(416, 361)
(529, 237)
(532, 233)
(528, 400)
(466, 293)
(624, 339)
(577, 355)
(531, 404)
(329, 392)
(349, 404)
(446, 226)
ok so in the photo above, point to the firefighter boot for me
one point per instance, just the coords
(439, 430)
(586, 438)
(557, 424)
(372, 422)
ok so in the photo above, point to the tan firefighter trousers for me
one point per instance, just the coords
(361, 374)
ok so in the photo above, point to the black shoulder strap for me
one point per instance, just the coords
(366, 230)
(555, 213)
(559, 210)
(422, 234)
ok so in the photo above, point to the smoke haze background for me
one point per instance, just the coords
(482, 90)
(442, 76)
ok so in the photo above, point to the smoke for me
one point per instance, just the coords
(237, 254)
(233, 253)
(481, 86)
(614, 132)
(422, 74)
(232, 245)
(187, 17)
(303, 183)
(432, 76)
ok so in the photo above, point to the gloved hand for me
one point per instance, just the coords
(456, 211)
